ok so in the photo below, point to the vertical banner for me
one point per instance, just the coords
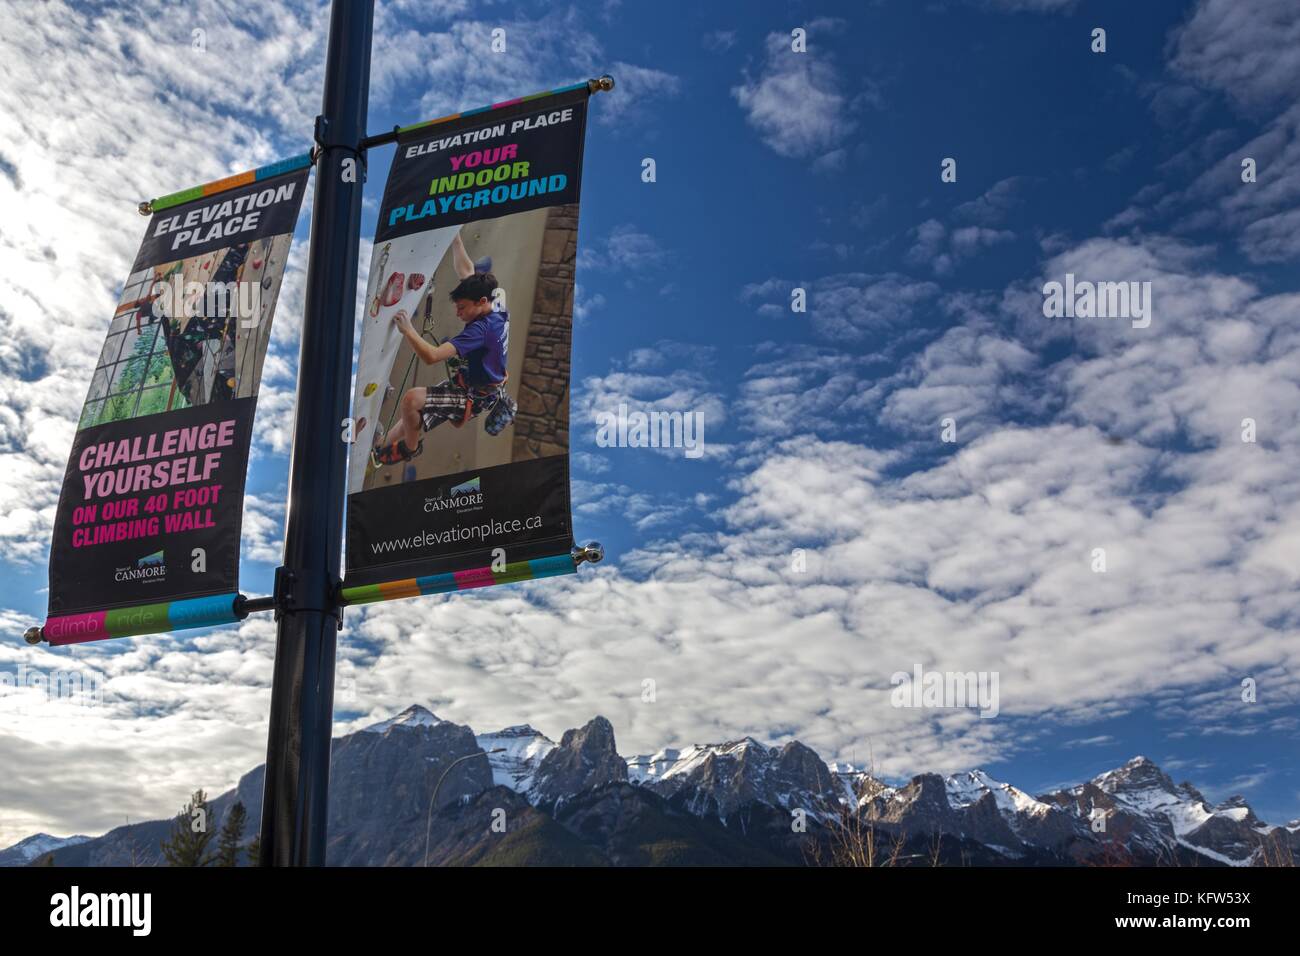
(146, 535)
(459, 472)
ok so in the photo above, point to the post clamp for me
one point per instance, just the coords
(323, 142)
(300, 589)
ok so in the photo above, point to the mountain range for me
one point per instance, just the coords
(528, 800)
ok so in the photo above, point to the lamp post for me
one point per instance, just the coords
(295, 800)
(428, 817)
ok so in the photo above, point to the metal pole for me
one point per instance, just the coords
(295, 799)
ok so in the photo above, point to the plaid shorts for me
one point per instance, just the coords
(447, 402)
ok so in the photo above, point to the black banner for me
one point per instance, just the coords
(460, 417)
(152, 499)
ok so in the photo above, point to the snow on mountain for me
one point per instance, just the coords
(718, 779)
(384, 772)
(1144, 787)
(859, 785)
(966, 788)
(646, 768)
(672, 763)
(36, 846)
(1229, 832)
(522, 751)
(413, 716)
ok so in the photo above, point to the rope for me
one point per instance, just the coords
(426, 331)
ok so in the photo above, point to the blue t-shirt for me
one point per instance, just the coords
(482, 344)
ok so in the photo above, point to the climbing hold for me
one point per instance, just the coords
(393, 289)
(369, 389)
(415, 281)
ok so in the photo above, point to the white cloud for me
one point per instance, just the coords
(1249, 51)
(626, 249)
(634, 88)
(796, 102)
(941, 250)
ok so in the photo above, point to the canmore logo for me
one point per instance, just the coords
(103, 909)
(150, 567)
(465, 495)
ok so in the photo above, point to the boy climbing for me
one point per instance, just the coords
(478, 381)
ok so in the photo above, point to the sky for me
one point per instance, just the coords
(824, 429)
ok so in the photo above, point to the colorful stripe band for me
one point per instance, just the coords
(495, 106)
(230, 182)
(143, 619)
(460, 580)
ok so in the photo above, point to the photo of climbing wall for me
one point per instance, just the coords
(189, 332)
(533, 267)
(460, 417)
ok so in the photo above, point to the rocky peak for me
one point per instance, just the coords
(586, 757)
(718, 779)
(413, 717)
(519, 751)
(1140, 773)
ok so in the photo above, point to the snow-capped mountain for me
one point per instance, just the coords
(1144, 805)
(859, 785)
(718, 779)
(522, 749)
(36, 846)
(413, 716)
(579, 802)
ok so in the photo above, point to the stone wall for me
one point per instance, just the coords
(541, 427)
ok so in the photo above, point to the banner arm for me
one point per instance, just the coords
(566, 563)
(600, 84)
(151, 206)
(139, 619)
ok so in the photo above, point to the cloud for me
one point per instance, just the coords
(668, 377)
(941, 250)
(846, 307)
(174, 116)
(1034, 6)
(982, 560)
(1249, 52)
(719, 41)
(795, 103)
(625, 249)
(997, 202)
(971, 374)
(635, 88)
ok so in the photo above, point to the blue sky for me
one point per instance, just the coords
(775, 170)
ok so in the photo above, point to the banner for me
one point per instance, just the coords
(459, 469)
(148, 523)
